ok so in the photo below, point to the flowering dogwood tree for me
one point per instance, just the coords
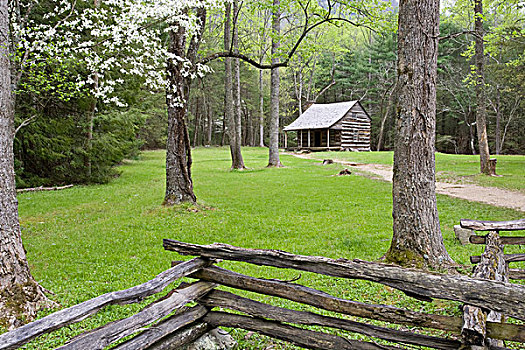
(110, 41)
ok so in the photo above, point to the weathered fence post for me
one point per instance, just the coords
(492, 266)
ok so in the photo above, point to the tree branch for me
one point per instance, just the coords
(24, 123)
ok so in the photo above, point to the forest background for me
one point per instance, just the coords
(70, 134)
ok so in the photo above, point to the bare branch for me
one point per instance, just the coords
(25, 123)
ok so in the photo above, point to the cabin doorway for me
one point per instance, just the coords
(317, 139)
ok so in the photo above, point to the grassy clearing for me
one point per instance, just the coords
(90, 240)
(452, 167)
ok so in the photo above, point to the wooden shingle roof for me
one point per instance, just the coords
(321, 116)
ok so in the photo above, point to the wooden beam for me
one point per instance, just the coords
(517, 274)
(163, 329)
(18, 337)
(498, 296)
(301, 337)
(475, 259)
(182, 337)
(309, 296)
(285, 140)
(503, 240)
(492, 267)
(42, 188)
(102, 337)
(514, 225)
(308, 137)
(254, 308)
(322, 300)
(328, 138)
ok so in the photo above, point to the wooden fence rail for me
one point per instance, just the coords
(322, 300)
(188, 323)
(62, 318)
(498, 296)
(477, 225)
(497, 226)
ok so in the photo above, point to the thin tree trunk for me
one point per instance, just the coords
(481, 109)
(224, 121)
(179, 185)
(209, 125)
(228, 81)
(273, 159)
(250, 139)
(89, 136)
(91, 117)
(471, 132)
(20, 295)
(417, 238)
(236, 132)
(498, 120)
(387, 112)
(261, 109)
(300, 97)
(197, 122)
(298, 84)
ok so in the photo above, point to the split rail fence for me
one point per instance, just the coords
(185, 324)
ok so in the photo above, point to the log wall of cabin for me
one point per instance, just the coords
(335, 138)
(355, 134)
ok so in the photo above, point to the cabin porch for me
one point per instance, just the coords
(316, 139)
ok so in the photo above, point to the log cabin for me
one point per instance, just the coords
(341, 126)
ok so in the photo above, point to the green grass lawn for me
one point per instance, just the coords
(89, 240)
(452, 167)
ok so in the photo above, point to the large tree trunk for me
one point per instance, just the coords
(417, 239)
(179, 185)
(273, 159)
(20, 295)
(481, 109)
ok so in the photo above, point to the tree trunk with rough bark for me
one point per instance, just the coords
(273, 159)
(179, 185)
(481, 109)
(236, 132)
(20, 295)
(417, 239)
(232, 92)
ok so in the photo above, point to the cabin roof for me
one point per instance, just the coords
(321, 116)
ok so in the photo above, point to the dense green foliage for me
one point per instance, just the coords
(353, 62)
(89, 240)
(53, 150)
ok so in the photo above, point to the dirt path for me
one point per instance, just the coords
(489, 195)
